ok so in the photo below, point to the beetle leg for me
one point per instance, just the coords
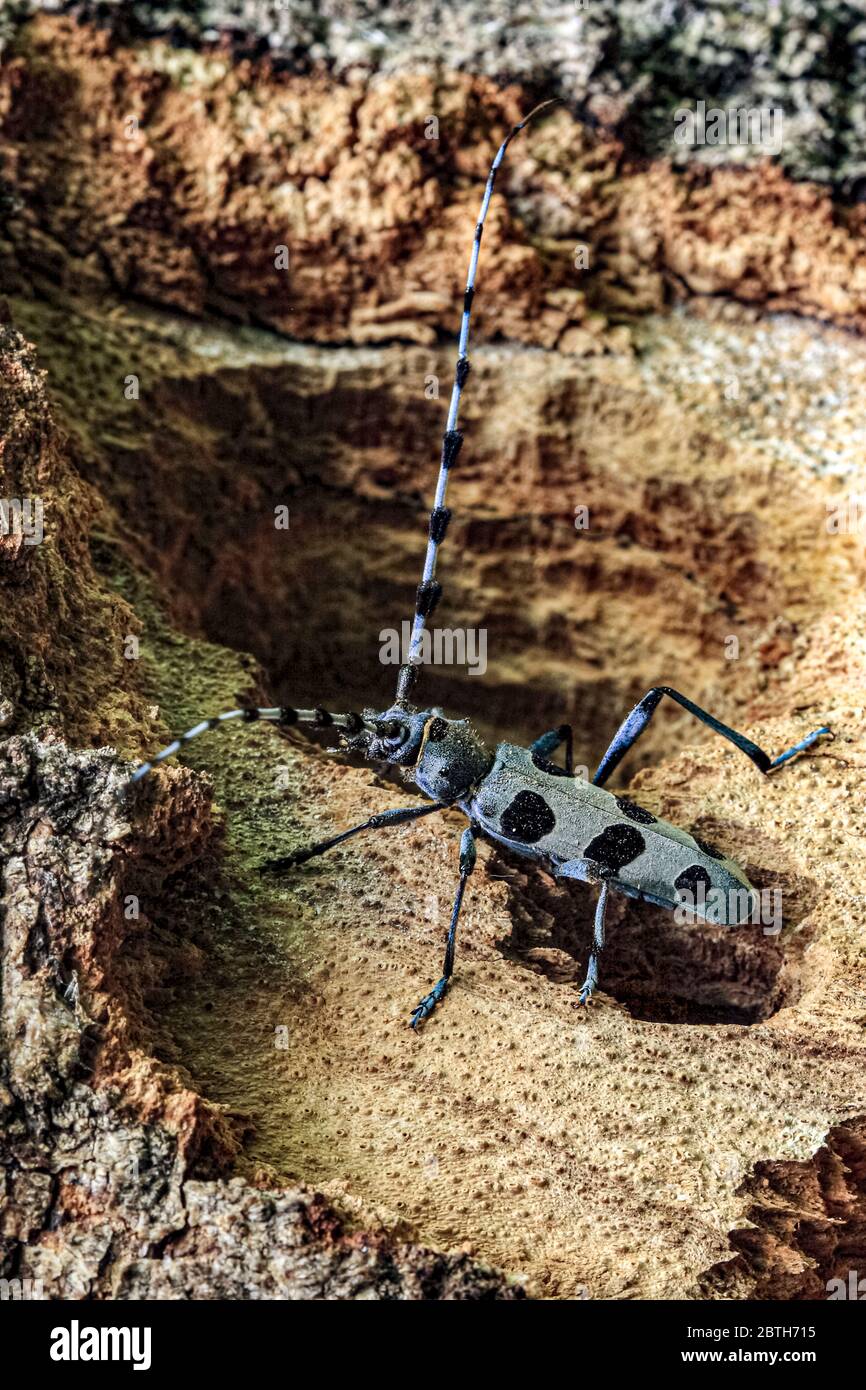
(634, 724)
(588, 871)
(398, 816)
(548, 743)
(591, 980)
(467, 864)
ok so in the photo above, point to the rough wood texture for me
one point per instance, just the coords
(209, 1088)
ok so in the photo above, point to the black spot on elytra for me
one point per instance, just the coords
(437, 731)
(528, 818)
(615, 847)
(689, 879)
(635, 812)
(709, 849)
(545, 765)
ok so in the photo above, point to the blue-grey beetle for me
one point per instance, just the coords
(518, 796)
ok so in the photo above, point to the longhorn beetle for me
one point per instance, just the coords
(517, 796)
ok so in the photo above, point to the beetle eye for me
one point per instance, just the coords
(393, 731)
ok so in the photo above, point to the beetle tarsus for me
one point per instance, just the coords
(428, 1003)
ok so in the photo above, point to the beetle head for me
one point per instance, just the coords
(446, 756)
(394, 736)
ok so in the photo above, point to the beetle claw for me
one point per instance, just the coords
(428, 1003)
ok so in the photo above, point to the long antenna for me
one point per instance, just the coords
(284, 715)
(429, 590)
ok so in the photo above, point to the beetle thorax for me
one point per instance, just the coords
(452, 759)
